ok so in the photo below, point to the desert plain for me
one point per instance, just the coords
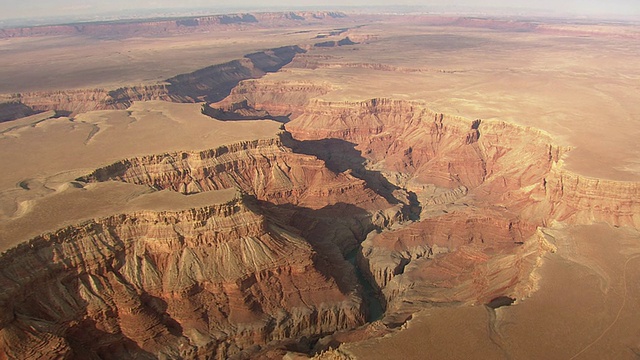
(321, 185)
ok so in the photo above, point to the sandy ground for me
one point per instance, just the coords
(82, 62)
(586, 308)
(43, 157)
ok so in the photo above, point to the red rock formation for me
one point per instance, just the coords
(200, 282)
(577, 199)
(492, 189)
(265, 169)
(277, 98)
(407, 138)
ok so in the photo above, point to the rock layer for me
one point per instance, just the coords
(483, 188)
(189, 284)
(265, 169)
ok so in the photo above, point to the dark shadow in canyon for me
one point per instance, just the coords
(214, 83)
(335, 233)
(241, 111)
(85, 337)
(14, 110)
(112, 346)
(341, 155)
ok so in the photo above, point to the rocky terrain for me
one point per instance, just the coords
(359, 218)
(209, 84)
(206, 282)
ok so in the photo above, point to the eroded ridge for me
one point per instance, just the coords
(215, 260)
(210, 281)
(266, 169)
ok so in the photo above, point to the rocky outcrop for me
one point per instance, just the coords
(280, 100)
(66, 100)
(265, 169)
(399, 137)
(576, 199)
(197, 283)
(483, 187)
(213, 281)
(404, 251)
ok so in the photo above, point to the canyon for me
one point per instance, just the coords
(328, 202)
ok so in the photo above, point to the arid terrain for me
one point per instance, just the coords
(320, 185)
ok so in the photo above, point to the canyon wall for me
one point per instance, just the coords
(483, 188)
(577, 199)
(196, 283)
(220, 280)
(265, 169)
(211, 84)
(265, 98)
(416, 147)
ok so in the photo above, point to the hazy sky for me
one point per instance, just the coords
(39, 8)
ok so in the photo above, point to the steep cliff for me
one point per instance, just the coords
(415, 147)
(275, 98)
(482, 187)
(332, 210)
(192, 284)
(576, 199)
(265, 169)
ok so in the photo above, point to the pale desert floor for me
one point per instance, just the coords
(586, 308)
(44, 157)
(84, 62)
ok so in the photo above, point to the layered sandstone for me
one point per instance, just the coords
(259, 99)
(482, 191)
(265, 169)
(416, 147)
(577, 199)
(197, 283)
(334, 211)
